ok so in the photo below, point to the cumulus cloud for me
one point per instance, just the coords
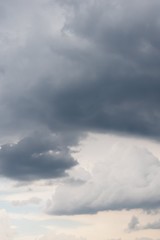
(81, 65)
(127, 178)
(121, 90)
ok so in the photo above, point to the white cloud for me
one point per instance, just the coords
(122, 177)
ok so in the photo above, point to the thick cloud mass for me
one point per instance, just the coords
(35, 157)
(127, 178)
(119, 88)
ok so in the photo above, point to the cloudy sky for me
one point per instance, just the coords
(79, 120)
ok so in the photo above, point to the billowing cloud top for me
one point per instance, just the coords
(126, 178)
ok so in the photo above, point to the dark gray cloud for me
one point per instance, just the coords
(102, 71)
(35, 157)
(120, 90)
(69, 67)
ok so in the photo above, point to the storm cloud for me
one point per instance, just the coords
(72, 67)
(95, 70)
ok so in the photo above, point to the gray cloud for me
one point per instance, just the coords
(120, 89)
(33, 200)
(35, 157)
(133, 224)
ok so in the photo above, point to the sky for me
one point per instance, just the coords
(79, 120)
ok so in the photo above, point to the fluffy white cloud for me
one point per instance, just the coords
(126, 177)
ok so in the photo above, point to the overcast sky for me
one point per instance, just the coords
(79, 120)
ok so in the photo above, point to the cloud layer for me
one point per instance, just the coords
(80, 66)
